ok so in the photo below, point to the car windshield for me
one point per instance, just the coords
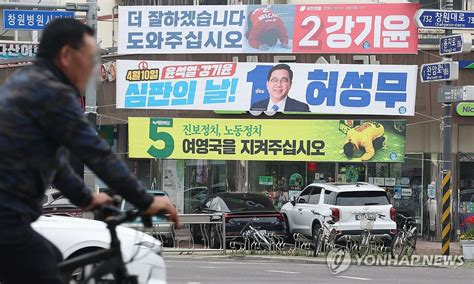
(362, 198)
(249, 203)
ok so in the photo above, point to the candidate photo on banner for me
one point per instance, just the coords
(279, 82)
(269, 28)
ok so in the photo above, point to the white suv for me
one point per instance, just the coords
(346, 203)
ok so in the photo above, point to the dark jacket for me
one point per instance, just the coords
(290, 105)
(41, 119)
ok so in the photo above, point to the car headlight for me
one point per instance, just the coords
(156, 248)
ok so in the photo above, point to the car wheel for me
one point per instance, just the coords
(215, 238)
(317, 232)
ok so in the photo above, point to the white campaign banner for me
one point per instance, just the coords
(316, 88)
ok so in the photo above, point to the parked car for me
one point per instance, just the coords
(161, 229)
(238, 209)
(346, 203)
(194, 196)
(54, 203)
(77, 236)
(466, 210)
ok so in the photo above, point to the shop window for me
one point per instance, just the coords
(304, 196)
(315, 195)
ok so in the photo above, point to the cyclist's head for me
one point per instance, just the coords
(349, 149)
(270, 37)
(70, 45)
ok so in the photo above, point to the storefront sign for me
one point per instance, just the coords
(465, 109)
(316, 28)
(17, 50)
(31, 19)
(407, 192)
(389, 181)
(318, 88)
(379, 181)
(265, 180)
(265, 140)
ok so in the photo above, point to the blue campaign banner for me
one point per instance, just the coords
(31, 19)
(279, 87)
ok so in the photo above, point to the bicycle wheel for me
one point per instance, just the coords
(411, 244)
(364, 245)
(80, 274)
(331, 242)
(398, 246)
(318, 242)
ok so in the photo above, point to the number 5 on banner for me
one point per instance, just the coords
(155, 135)
(306, 41)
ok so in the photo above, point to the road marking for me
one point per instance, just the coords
(355, 278)
(280, 271)
(207, 267)
(194, 282)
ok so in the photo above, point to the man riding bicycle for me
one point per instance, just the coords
(41, 121)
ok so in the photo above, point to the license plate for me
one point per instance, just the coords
(359, 217)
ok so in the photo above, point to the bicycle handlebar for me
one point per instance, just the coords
(405, 217)
(112, 215)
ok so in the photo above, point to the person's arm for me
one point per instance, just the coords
(65, 123)
(282, 32)
(71, 185)
(369, 150)
(254, 35)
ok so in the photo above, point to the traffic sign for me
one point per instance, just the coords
(441, 71)
(444, 19)
(31, 19)
(455, 44)
(465, 109)
(449, 94)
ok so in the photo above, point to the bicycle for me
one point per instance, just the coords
(104, 266)
(325, 237)
(404, 242)
(367, 221)
(260, 239)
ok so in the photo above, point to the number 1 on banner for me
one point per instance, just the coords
(306, 40)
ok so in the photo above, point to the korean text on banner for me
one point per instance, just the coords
(241, 139)
(316, 88)
(313, 28)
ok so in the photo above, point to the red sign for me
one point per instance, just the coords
(356, 28)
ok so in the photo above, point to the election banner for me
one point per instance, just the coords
(17, 50)
(278, 87)
(267, 140)
(313, 28)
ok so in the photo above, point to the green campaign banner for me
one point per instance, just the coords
(267, 140)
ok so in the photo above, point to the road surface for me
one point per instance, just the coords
(193, 270)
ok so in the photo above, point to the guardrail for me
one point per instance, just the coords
(198, 232)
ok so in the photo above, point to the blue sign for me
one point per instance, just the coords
(445, 19)
(31, 19)
(450, 44)
(441, 71)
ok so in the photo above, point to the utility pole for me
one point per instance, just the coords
(447, 165)
(91, 90)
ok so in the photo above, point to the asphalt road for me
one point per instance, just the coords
(192, 270)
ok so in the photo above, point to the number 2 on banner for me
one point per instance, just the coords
(306, 40)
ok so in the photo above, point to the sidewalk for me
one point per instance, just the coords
(434, 248)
